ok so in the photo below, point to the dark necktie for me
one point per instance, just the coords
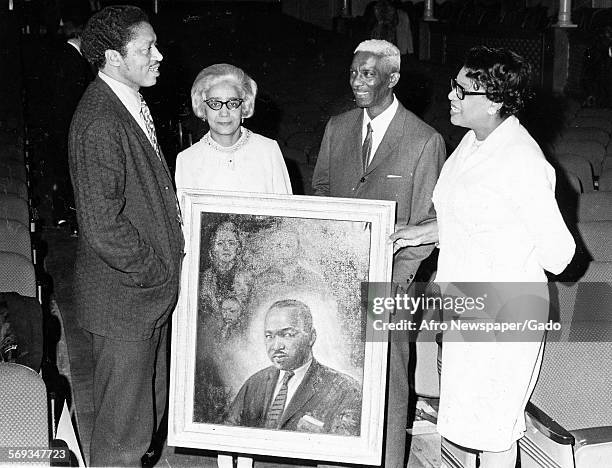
(149, 125)
(366, 148)
(278, 405)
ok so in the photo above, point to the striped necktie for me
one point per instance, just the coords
(366, 148)
(149, 125)
(278, 405)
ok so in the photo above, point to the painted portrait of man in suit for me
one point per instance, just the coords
(296, 393)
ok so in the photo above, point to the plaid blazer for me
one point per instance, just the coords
(130, 241)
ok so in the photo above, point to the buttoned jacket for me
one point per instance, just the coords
(404, 169)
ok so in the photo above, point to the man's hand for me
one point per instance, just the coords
(411, 236)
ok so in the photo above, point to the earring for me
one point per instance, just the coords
(491, 111)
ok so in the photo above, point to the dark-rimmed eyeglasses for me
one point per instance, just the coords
(231, 104)
(461, 92)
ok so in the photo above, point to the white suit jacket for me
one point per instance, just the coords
(497, 215)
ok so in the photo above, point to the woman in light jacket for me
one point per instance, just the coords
(497, 221)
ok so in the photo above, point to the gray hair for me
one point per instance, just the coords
(219, 73)
(388, 52)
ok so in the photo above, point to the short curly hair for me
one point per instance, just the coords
(503, 74)
(220, 73)
(110, 29)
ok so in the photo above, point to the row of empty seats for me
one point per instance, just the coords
(569, 418)
(583, 150)
(24, 418)
(17, 257)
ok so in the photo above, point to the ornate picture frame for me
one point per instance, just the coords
(252, 260)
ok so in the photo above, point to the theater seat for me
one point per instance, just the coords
(597, 238)
(602, 113)
(602, 123)
(17, 274)
(14, 207)
(595, 206)
(13, 170)
(23, 408)
(569, 417)
(572, 164)
(605, 180)
(15, 237)
(14, 186)
(589, 150)
(586, 134)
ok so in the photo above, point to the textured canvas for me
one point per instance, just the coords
(250, 262)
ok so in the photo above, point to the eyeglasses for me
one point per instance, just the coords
(231, 104)
(461, 92)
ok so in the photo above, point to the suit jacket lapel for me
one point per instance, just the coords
(354, 146)
(390, 140)
(127, 117)
(302, 394)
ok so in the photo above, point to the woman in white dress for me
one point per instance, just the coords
(497, 221)
(229, 157)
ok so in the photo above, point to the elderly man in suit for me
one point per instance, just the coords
(296, 393)
(129, 254)
(383, 151)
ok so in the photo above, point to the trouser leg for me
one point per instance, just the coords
(398, 392)
(123, 400)
(160, 385)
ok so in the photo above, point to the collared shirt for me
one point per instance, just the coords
(73, 42)
(294, 382)
(129, 97)
(380, 123)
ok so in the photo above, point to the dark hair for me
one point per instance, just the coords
(303, 311)
(503, 74)
(110, 29)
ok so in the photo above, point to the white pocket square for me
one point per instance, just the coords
(393, 176)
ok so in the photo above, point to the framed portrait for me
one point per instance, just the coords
(269, 351)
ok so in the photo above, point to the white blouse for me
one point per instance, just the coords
(253, 164)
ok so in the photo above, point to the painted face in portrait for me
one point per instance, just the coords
(288, 344)
(242, 284)
(140, 66)
(224, 123)
(225, 247)
(230, 310)
(285, 246)
(372, 86)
